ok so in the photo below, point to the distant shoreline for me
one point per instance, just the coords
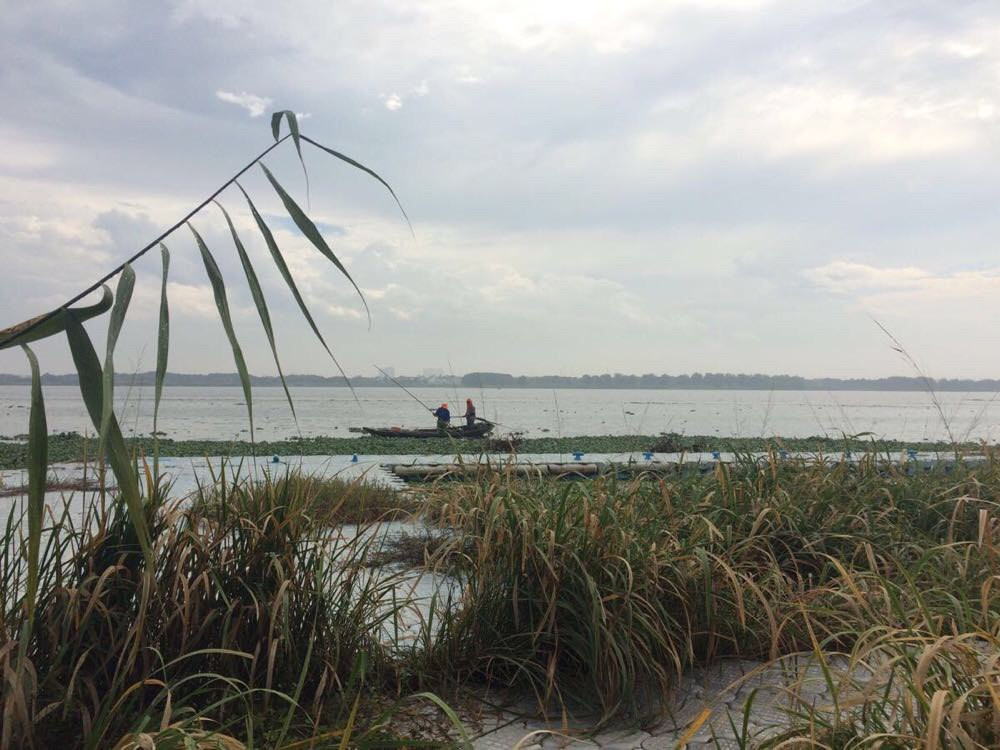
(504, 381)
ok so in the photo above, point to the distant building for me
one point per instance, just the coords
(387, 372)
(433, 372)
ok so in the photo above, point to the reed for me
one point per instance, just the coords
(596, 596)
(257, 622)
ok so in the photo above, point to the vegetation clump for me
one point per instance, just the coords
(596, 596)
(254, 619)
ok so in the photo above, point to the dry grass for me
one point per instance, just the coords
(597, 595)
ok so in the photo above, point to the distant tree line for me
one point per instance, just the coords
(724, 381)
(695, 381)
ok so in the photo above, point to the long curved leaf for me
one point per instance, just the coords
(222, 303)
(88, 370)
(293, 128)
(126, 284)
(286, 274)
(358, 165)
(163, 336)
(55, 324)
(38, 448)
(308, 228)
(258, 298)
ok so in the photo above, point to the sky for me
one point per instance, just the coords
(640, 187)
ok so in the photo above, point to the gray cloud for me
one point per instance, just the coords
(649, 186)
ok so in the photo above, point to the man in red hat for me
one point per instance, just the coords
(443, 416)
(470, 413)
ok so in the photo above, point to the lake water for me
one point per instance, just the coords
(219, 413)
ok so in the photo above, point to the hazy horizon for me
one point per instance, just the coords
(648, 187)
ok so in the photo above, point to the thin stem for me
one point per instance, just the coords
(111, 274)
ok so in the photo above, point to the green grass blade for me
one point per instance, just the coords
(126, 283)
(162, 349)
(55, 324)
(363, 168)
(308, 228)
(88, 370)
(293, 128)
(258, 298)
(38, 446)
(286, 274)
(222, 303)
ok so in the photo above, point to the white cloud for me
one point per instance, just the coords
(253, 104)
(844, 277)
(392, 102)
(909, 290)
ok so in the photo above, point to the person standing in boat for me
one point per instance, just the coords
(443, 416)
(470, 413)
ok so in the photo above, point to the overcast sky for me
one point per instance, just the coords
(665, 186)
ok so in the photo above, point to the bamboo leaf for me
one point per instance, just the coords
(279, 261)
(358, 165)
(126, 283)
(222, 303)
(55, 324)
(293, 128)
(163, 336)
(308, 228)
(38, 447)
(258, 297)
(88, 370)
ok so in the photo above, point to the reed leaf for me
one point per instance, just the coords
(286, 274)
(293, 128)
(258, 298)
(38, 447)
(88, 369)
(309, 229)
(55, 324)
(358, 165)
(222, 303)
(126, 284)
(162, 336)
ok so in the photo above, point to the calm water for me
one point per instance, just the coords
(219, 413)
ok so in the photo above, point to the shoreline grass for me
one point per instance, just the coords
(260, 621)
(596, 596)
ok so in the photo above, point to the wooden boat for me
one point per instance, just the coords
(478, 430)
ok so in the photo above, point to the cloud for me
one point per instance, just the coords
(703, 183)
(253, 104)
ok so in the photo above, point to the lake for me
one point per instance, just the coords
(218, 413)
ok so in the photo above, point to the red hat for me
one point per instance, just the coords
(444, 406)
(468, 400)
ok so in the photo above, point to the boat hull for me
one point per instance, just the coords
(478, 430)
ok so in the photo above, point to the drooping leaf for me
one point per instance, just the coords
(258, 298)
(286, 274)
(38, 447)
(88, 370)
(126, 283)
(222, 304)
(163, 336)
(293, 128)
(55, 324)
(308, 228)
(358, 165)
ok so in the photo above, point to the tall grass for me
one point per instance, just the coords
(257, 621)
(596, 596)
